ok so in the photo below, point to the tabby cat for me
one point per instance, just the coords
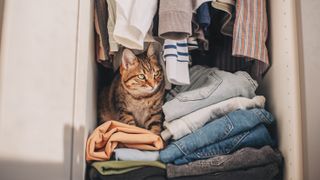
(136, 94)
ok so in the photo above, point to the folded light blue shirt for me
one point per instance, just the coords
(126, 154)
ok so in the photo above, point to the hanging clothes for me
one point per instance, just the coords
(102, 37)
(220, 48)
(175, 18)
(114, 46)
(250, 33)
(176, 56)
(203, 42)
(203, 17)
(201, 22)
(133, 23)
(226, 6)
(220, 56)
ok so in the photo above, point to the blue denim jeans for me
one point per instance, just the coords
(195, 120)
(245, 158)
(225, 128)
(257, 137)
(207, 86)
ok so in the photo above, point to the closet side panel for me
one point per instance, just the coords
(310, 65)
(1, 18)
(37, 81)
(281, 85)
(86, 88)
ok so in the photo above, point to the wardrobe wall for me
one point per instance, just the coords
(310, 65)
(281, 85)
(37, 85)
(1, 17)
(48, 87)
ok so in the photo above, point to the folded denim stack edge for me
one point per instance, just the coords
(187, 124)
(218, 128)
(257, 137)
(242, 159)
(237, 129)
(264, 172)
(207, 86)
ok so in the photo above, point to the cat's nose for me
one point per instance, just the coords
(152, 84)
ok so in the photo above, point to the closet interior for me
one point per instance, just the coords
(276, 72)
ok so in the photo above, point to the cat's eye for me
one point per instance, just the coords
(141, 76)
(157, 73)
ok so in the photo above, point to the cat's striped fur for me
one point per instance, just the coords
(136, 94)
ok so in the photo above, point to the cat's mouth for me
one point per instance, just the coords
(144, 92)
(150, 89)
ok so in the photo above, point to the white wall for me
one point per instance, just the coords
(310, 74)
(37, 84)
(1, 17)
(282, 86)
(85, 116)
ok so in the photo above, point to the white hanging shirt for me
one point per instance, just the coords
(133, 21)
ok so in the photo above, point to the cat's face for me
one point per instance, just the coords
(141, 75)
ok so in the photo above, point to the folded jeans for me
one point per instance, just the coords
(207, 86)
(195, 120)
(223, 128)
(244, 158)
(256, 137)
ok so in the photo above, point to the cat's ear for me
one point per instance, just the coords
(151, 50)
(128, 58)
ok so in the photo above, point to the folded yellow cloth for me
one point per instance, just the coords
(105, 138)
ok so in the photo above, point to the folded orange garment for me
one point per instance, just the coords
(105, 138)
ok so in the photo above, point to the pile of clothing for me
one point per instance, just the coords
(216, 128)
(115, 149)
(217, 124)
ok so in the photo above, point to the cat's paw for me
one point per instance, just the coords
(128, 119)
(156, 130)
(132, 123)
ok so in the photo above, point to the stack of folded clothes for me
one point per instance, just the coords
(116, 151)
(217, 128)
(246, 163)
